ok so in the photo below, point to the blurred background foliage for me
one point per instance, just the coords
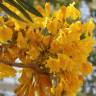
(55, 3)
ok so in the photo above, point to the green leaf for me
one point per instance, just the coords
(9, 12)
(28, 7)
(29, 2)
(15, 4)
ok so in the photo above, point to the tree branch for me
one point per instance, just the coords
(33, 65)
(14, 64)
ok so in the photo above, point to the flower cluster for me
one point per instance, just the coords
(54, 48)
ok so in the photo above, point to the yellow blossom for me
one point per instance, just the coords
(53, 64)
(6, 71)
(89, 26)
(54, 47)
(21, 43)
(5, 34)
(48, 8)
(72, 12)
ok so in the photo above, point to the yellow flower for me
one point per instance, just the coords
(48, 9)
(69, 84)
(45, 12)
(21, 42)
(5, 34)
(59, 89)
(32, 50)
(86, 68)
(72, 12)
(66, 63)
(1, 21)
(59, 42)
(89, 26)
(6, 71)
(60, 14)
(71, 81)
(53, 64)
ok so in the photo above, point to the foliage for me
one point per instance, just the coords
(21, 5)
(52, 49)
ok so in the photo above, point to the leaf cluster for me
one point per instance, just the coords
(23, 6)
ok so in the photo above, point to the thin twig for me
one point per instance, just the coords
(15, 64)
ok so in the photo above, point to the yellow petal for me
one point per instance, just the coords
(72, 12)
(47, 8)
(5, 34)
(6, 71)
(86, 68)
(21, 43)
(89, 26)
